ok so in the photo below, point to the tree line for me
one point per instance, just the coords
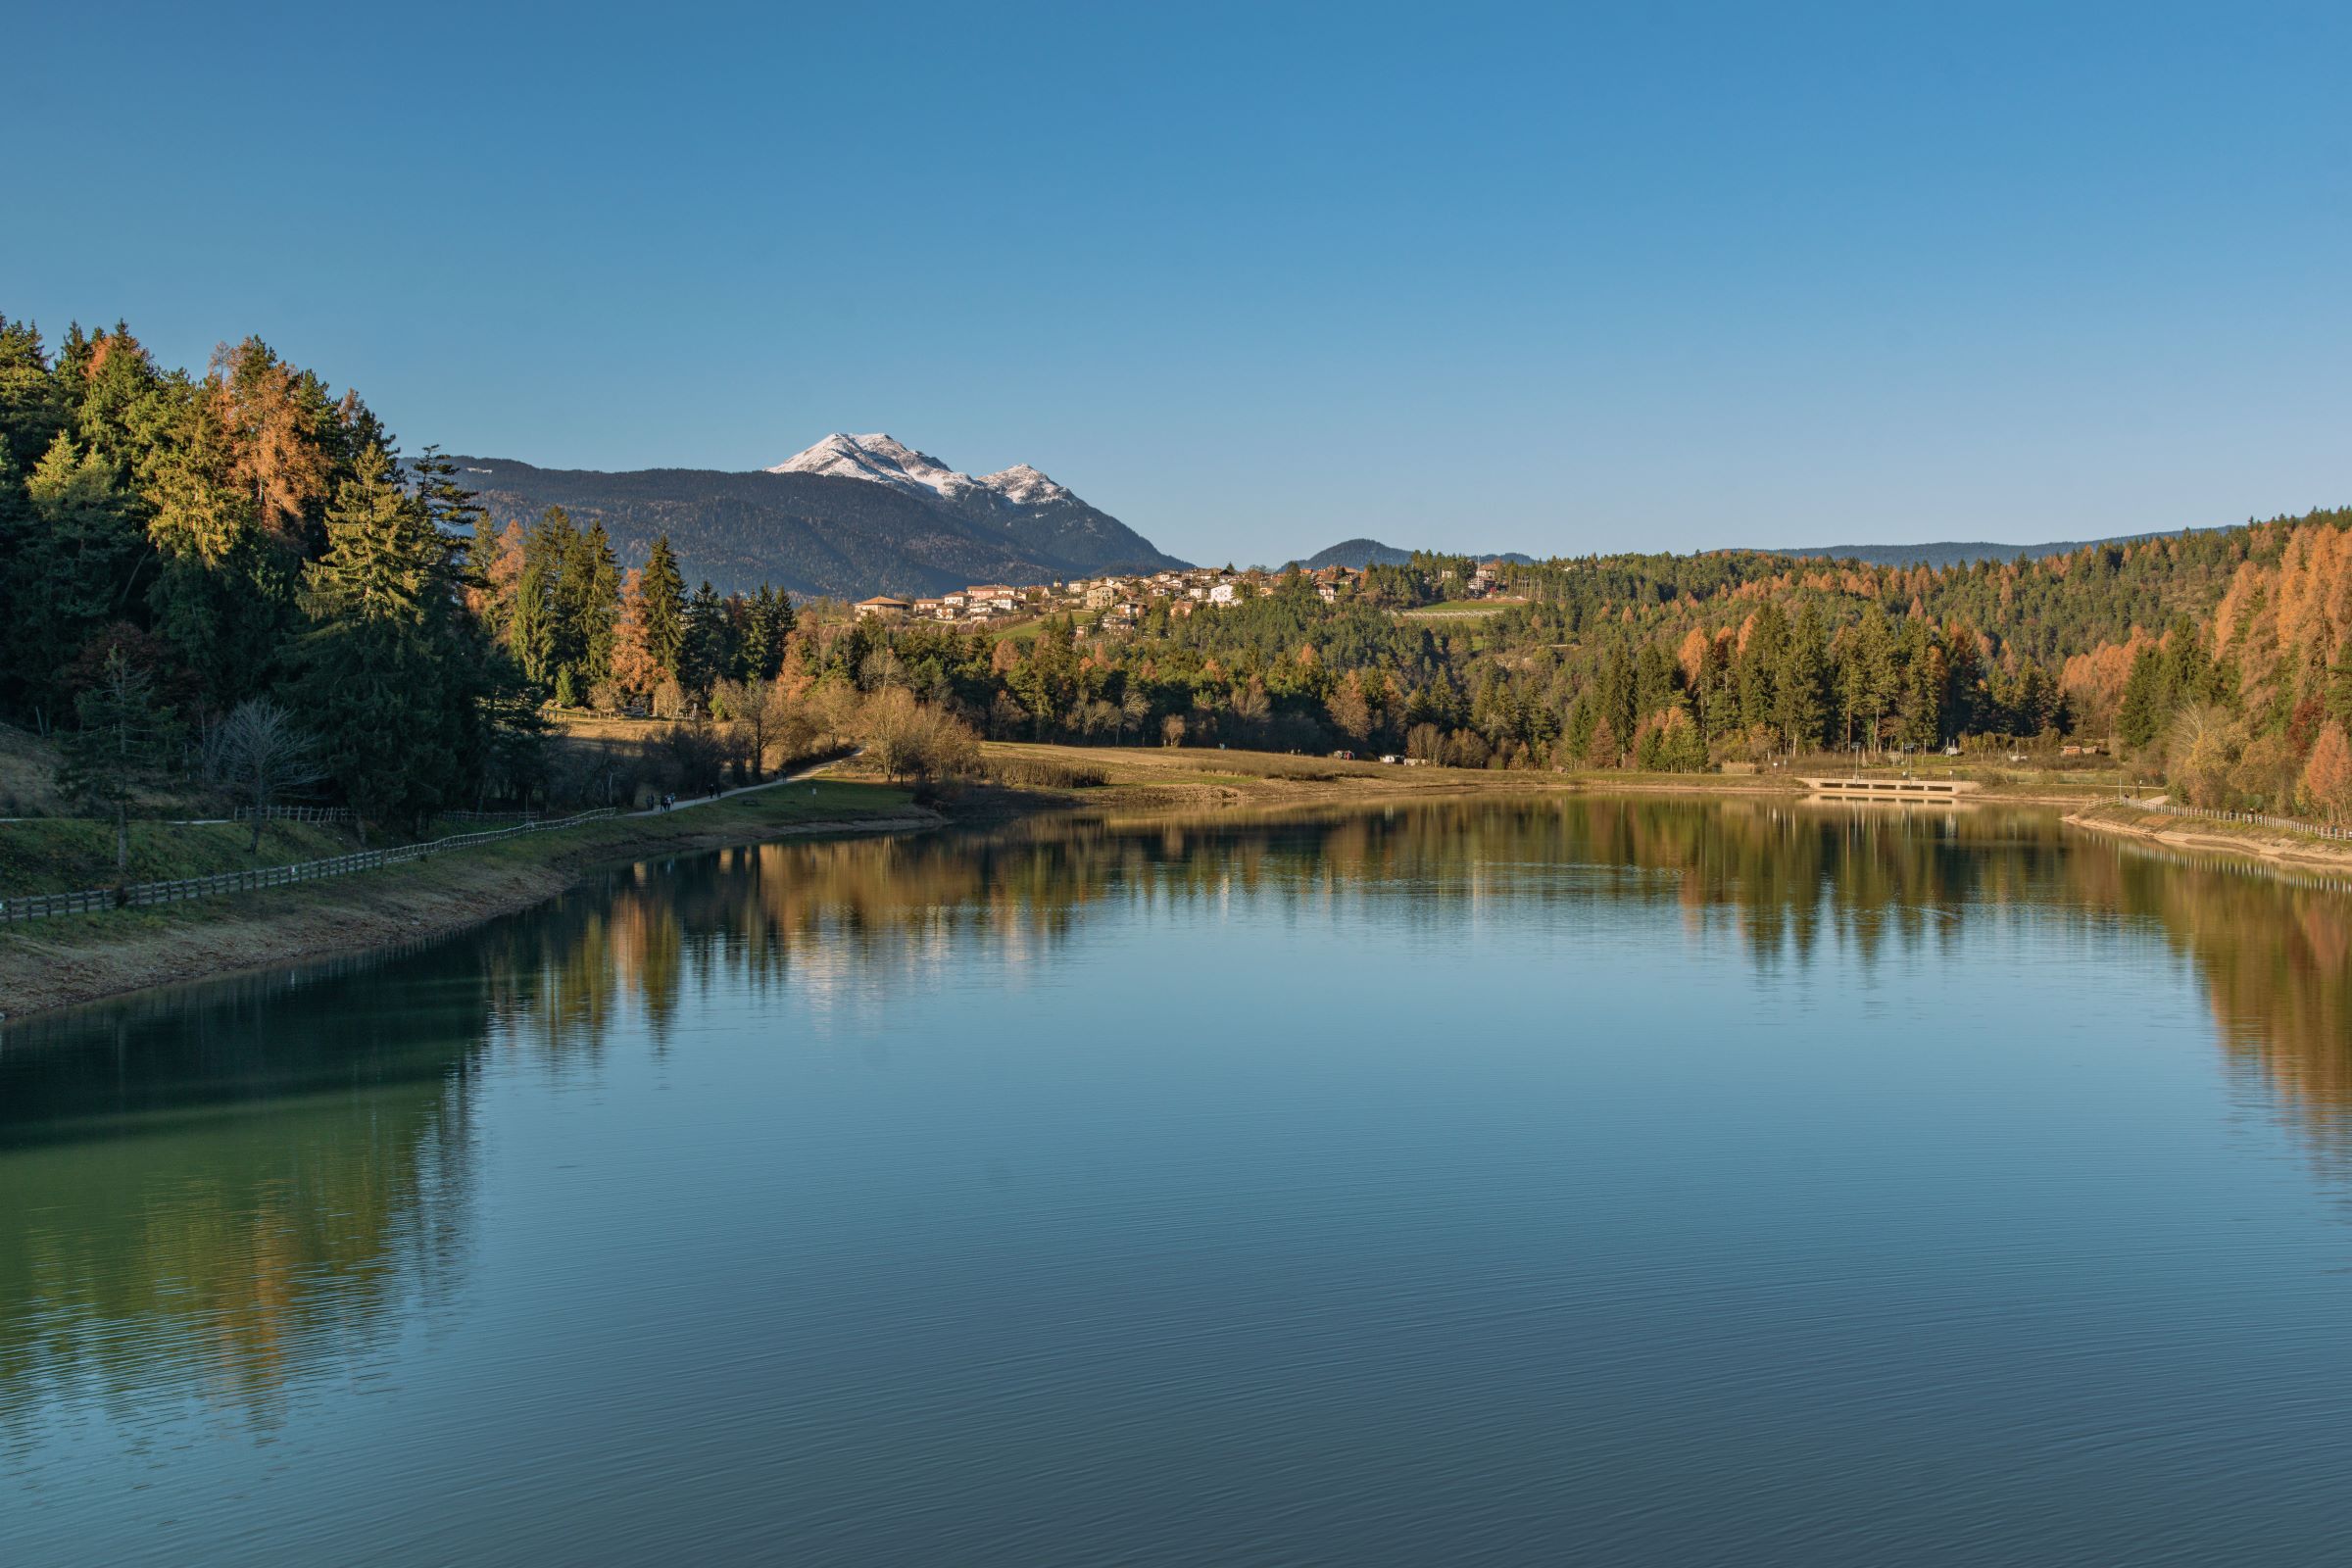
(178, 549)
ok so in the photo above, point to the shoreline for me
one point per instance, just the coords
(1186, 777)
(50, 965)
(2263, 846)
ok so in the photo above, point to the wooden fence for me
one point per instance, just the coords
(2286, 824)
(146, 895)
(294, 814)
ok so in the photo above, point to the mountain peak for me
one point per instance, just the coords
(883, 458)
(1025, 485)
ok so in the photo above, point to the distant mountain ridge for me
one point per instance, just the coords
(1357, 554)
(1962, 553)
(1361, 552)
(849, 518)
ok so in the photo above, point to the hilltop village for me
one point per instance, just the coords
(1122, 602)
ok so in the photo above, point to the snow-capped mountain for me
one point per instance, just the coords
(886, 460)
(852, 516)
(1040, 516)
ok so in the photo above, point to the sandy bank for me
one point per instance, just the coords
(2244, 840)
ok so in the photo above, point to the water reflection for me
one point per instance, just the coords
(218, 1196)
(211, 1203)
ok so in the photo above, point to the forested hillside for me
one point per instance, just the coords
(185, 550)
(194, 558)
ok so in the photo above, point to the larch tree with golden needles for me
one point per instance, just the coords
(2327, 774)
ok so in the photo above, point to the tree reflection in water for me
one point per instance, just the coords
(219, 1194)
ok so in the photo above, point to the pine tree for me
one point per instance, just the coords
(392, 682)
(665, 608)
(32, 403)
(707, 649)
(540, 635)
(587, 600)
(2142, 716)
(1872, 675)
(1800, 696)
(76, 567)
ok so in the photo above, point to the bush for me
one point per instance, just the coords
(1022, 772)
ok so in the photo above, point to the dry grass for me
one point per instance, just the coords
(27, 775)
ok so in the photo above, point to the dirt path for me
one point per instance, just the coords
(778, 782)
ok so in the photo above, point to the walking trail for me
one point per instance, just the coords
(803, 776)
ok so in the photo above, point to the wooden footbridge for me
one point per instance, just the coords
(1894, 791)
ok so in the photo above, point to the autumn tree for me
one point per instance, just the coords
(1350, 713)
(2328, 773)
(276, 418)
(635, 670)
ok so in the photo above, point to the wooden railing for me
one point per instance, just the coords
(2286, 824)
(146, 895)
(294, 814)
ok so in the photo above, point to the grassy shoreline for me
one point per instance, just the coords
(2250, 841)
(1188, 777)
(62, 962)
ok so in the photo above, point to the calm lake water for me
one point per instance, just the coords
(1573, 1180)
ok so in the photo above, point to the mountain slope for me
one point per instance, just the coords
(1361, 553)
(1357, 555)
(1045, 519)
(909, 526)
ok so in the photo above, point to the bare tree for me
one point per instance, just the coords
(259, 755)
(907, 740)
(763, 718)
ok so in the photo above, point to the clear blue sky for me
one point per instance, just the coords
(1256, 278)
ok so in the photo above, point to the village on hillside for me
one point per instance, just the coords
(1121, 602)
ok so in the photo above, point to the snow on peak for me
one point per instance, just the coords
(882, 459)
(1025, 485)
(885, 459)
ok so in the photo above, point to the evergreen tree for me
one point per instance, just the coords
(392, 679)
(75, 568)
(587, 602)
(1801, 695)
(2143, 714)
(541, 636)
(665, 608)
(708, 648)
(767, 624)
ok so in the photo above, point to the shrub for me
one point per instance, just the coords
(1023, 772)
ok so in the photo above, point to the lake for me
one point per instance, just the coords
(1543, 1180)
